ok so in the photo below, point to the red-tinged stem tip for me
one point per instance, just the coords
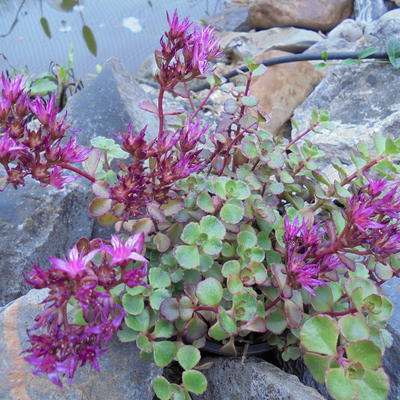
(78, 171)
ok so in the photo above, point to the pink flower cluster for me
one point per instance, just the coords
(83, 282)
(174, 156)
(372, 224)
(28, 150)
(186, 52)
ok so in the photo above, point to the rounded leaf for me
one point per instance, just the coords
(276, 322)
(99, 206)
(209, 292)
(317, 364)
(138, 322)
(162, 388)
(188, 257)
(188, 357)
(205, 202)
(365, 352)
(158, 278)
(247, 239)
(169, 309)
(164, 352)
(230, 268)
(162, 242)
(213, 227)
(354, 327)
(191, 233)
(339, 386)
(133, 304)
(231, 213)
(320, 334)
(194, 381)
(373, 386)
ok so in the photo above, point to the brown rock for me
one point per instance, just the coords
(312, 14)
(283, 87)
(123, 375)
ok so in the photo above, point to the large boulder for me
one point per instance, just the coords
(311, 14)
(239, 45)
(36, 223)
(362, 99)
(253, 379)
(283, 87)
(123, 375)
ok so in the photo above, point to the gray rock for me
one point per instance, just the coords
(108, 103)
(362, 100)
(36, 223)
(123, 375)
(386, 27)
(368, 10)
(255, 379)
(238, 45)
(348, 30)
(392, 356)
(234, 17)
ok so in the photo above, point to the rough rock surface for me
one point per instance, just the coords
(283, 87)
(233, 17)
(362, 99)
(255, 379)
(238, 45)
(36, 223)
(312, 14)
(108, 103)
(123, 375)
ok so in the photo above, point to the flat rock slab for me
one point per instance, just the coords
(36, 223)
(255, 379)
(123, 375)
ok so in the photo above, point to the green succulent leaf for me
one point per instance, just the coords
(188, 357)
(276, 322)
(162, 388)
(159, 278)
(194, 381)
(205, 203)
(339, 385)
(164, 352)
(138, 322)
(188, 257)
(127, 334)
(213, 227)
(373, 386)
(232, 213)
(320, 334)
(354, 327)
(133, 304)
(209, 292)
(230, 268)
(191, 233)
(157, 297)
(317, 364)
(365, 352)
(247, 239)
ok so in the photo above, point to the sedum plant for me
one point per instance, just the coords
(225, 234)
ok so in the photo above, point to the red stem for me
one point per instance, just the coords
(204, 101)
(362, 170)
(161, 111)
(273, 304)
(206, 308)
(78, 171)
(340, 313)
(297, 138)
